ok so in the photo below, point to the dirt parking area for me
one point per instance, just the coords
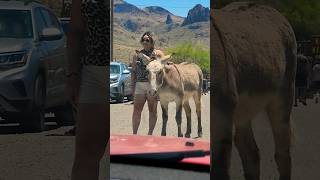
(121, 116)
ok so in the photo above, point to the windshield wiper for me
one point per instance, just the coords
(164, 160)
(165, 156)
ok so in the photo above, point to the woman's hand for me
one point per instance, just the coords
(73, 88)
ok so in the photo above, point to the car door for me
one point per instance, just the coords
(56, 61)
(127, 80)
(42, 51)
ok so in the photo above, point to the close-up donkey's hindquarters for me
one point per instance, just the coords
(253, 51)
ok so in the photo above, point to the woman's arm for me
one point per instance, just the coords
(75, 37)
(159, 53)
(133, 73)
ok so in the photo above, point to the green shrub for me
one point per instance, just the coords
(189, 52)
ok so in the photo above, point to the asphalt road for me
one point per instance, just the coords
(49, 156)
(305, 146)
(38, 156)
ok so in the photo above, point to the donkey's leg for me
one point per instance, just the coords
(187, 109)
(197, 100)
(279, 115)
(179, 117)
(247, 147)
(221, 138)
(164, 107)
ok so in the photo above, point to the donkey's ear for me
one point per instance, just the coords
(137, 51)
(165, 59)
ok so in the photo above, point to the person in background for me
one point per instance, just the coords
(302, 78)
(141, 84)
(88, 66)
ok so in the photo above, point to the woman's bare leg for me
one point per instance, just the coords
(138, 103)
(92, 135)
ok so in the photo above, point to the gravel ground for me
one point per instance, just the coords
(38, 156)
(121, 115)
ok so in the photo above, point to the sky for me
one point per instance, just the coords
(176, 7)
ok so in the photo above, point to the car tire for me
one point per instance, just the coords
(65, 115)
(34, 121)
(130, 97)
(120, 98)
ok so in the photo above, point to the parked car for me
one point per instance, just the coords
(32, 65)
(65, 24)
(120, 82)
(205, 86)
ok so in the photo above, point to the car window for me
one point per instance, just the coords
(40, 22)
(50, 19)
(65, 26)
(122, 67)
(15, 24)
(114, 69)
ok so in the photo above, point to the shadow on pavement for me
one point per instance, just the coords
(127, 102)
(6, 129)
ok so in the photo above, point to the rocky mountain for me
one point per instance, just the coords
(121, 6)
(169, 19)
(130, 22)
(197, 14)
(156, 10)
(130, 25)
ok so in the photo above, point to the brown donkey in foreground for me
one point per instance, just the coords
(253, 50)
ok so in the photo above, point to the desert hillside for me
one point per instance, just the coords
(130, 22)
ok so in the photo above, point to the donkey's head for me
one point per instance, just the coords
(156, 71)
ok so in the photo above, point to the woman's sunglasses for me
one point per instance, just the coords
(146, 40)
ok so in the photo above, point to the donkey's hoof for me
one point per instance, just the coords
(163, 134)
(187, 136)
(199, 134)
(180, 135)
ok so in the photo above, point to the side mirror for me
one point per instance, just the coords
(126, 71)
(51, 34)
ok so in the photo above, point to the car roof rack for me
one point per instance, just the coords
(26, 2)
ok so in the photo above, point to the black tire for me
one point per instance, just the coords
(34, 120)
(130, 97)
(120, 98)
(65, 115)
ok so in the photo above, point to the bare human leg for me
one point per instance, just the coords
(92, 135)
(139, 101)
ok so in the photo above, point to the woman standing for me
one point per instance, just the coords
(89, 57)
(141, 84)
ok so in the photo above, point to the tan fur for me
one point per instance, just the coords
(177, 83)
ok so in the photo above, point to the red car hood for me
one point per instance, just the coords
(135, 144)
